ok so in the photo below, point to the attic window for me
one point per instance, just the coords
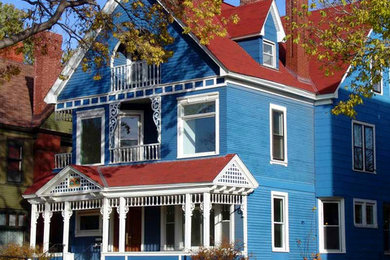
(269, 54)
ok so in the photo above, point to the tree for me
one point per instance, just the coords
(350, 33)
(144, 32)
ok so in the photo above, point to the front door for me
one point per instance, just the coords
(133, 229)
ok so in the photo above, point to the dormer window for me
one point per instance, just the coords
(269, 57)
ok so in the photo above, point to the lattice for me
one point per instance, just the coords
(233, 175)
(226, 199)
(85, 185)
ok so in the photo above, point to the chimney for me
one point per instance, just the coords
(12, 54)
(245, 2)
(47, 66)
(297, 60)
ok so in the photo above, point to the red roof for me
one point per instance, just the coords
(160, 173)
(39, 183)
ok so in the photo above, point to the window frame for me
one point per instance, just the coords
(381, 82)
(286, 236)
(364, 125)
(190, 100)
(282, 109)
(125, 113)
(89, 114)
(341, 213)
(272, 44)
(20, 144)
(87, 233)
(364, 203)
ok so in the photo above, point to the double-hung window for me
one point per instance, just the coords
(278, 134)
(198, 127)
(365, 213)
(90, 137)
(14, 161)
(269, 56)
(363, 140)
(377, 85)
(331, 225)
(280, 234)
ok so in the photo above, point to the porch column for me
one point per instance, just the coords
(105, 211)
(244, 207)
(232, 224)
(66, 214)
(33, 225)
(122, 211)
(188, 208)
(206, 219)
(46, 228)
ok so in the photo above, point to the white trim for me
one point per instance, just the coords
(363, 124)
(340, 203)
(272, 44)
(88, 114)
(273, 107)
(363, 203)
(87, 233)
(285, 239)
(195, 99)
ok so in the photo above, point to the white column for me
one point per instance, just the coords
(66, 214)
(232, 224)
(122, 211)
(244, 207)
(105, 211)
(33, 225)
(218, 225)
(206, 219)
(189, 207)
(46, 228)
(178, 228)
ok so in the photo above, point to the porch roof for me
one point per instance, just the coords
(196, 171)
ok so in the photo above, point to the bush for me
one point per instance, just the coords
(225, 251)
(18, 252)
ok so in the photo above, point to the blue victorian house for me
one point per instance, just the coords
(234, 141)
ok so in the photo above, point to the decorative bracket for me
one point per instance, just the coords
(106, 211)
(66, 214)
(192, 207)
(114, 111)
(156, 107)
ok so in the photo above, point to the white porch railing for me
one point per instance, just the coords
(62, 160)
(135, 75)
(137, 153)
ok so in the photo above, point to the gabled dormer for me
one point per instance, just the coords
(259, 31)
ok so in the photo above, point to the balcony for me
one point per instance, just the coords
(137, 153)
(135, 75)
(62, 160)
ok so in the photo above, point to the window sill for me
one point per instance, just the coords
(89, 233)
(362, 171)
(375, 226)
(280, 250)
(284, 163)
(184, 156)
(332, 252)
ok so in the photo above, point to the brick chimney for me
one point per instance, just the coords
(47, 67)
(245, 2)
(297, 61)
(11, 53)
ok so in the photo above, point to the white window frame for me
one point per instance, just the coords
(285, 240)
(87, 233)
(88, 114)
(125, 113)
(381, 83)
(340, 203)
(202, 98)
(364, 203)
(273, 107)
(364, 147)
(272, 44)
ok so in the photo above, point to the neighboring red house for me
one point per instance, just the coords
(29, 134)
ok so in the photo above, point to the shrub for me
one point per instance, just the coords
(18, 252)
(225, 251)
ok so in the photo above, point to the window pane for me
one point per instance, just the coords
(369, 148)
(278, 235)
(331, 213)
(14, 176)
(199, 108)
(89, 222)
(3, 219)
(11, 236)
(358, 214)
(129, 130)
(331, 238)
(278, 210)
(369, 160)
(369, 137)
(197, 227)
(277, 122)
(268, 48)
(21, 220)
(91, 130)
(278, 148)
(14, 151)
(12, 220)
(357, 135)
(14, 166)
(358, 158)
(268, 60)
(370, 214)
(199, 135)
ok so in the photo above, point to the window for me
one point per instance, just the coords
(90, 137)
(386, 227)
(88, 224)
(12, 226)
(363, 146)
(279, 215)
(378, 86)
(269, 58)
(198, 127)
(278, 134)
(331, 225)
(14, 161)
(130, 131)
(365, 213)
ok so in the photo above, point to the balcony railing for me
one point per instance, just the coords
(135, 75)
(62, 160)
(137, 153)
